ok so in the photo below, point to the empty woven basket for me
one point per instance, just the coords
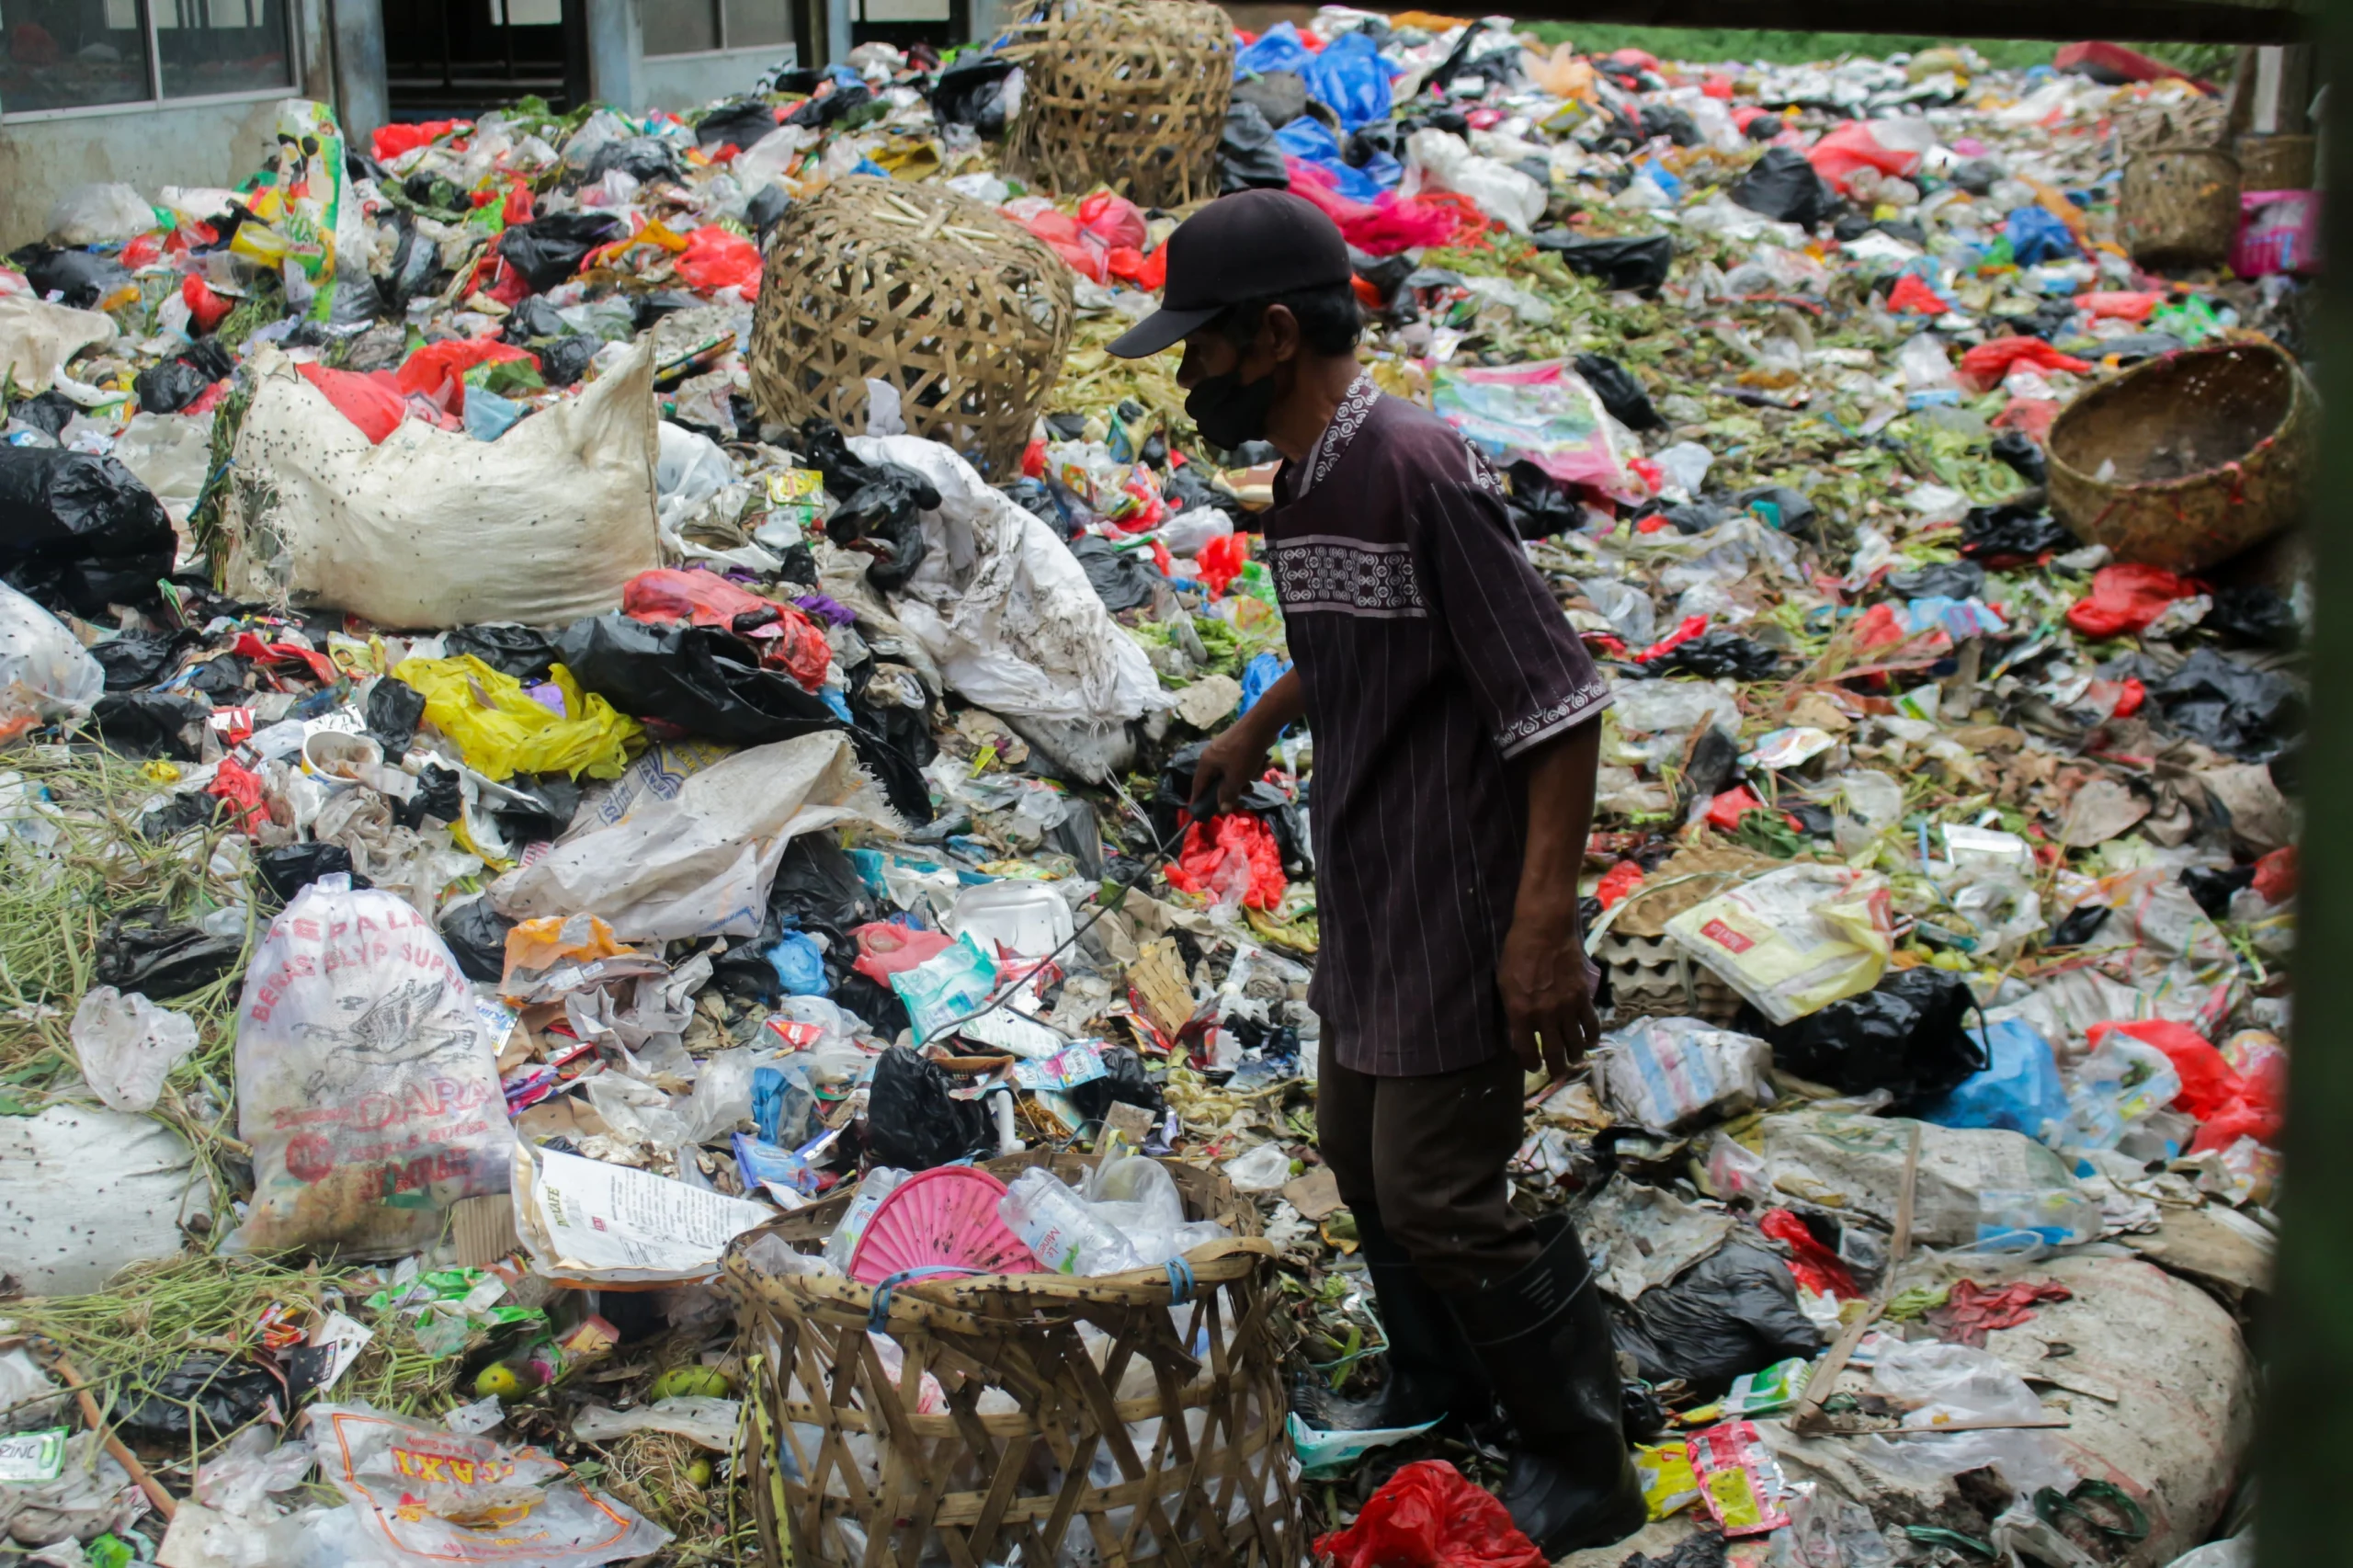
(961, 309)
(2185, 461)
(1130, 93)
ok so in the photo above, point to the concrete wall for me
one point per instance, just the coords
(152, 146)
(686, 81)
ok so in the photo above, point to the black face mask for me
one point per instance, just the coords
(1229, 411)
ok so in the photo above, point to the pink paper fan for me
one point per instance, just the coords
(946, 1215)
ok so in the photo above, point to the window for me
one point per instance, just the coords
(698, 27)
(73, 54)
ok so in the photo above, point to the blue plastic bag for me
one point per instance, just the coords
(784, 1103)
(1278, 49)
(489, 415)
(1258, 675)
(1311, 140)
(2017, 1089)
(800, 965)
(2037, 235)
(1351, 77)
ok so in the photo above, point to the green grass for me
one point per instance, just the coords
(1786, 48)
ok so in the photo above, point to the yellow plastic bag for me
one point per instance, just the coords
(1794, 940)
(504, 730)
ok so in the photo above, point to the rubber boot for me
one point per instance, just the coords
(1433, 1372)
(1544, 1335)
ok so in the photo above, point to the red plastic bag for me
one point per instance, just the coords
(2127, 598)
(1066, 239)
(1383, 228)
(2121, 305)
(1985, 366)
(791, 641)
(715, 259)
(2208, 1086)
(1114, 220)
(887, 948)
(1618, 881)
(2275, 875)
(205, 308)
(2031, 416)
(1427, 1516)
(1852, 146)
(1910, 294)
(390, 140)
(439, 370)
(1199, 867)
(1222, 560)
(1815, 1266)
(242, 788)
(368, 400)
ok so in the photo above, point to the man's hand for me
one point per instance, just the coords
(1228, 767)
(1547, 1000)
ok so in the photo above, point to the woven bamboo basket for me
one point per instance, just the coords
(2213, 448)
(2180, 206)
(1129, 94)
(964, 311)
(1007, 1429)
(2277, 163)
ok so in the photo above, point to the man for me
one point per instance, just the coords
(1455, 753)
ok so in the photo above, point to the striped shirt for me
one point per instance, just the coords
(1432, 655)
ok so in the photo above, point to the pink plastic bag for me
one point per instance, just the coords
(1852, 146)
(715, 259)
(2279, 232)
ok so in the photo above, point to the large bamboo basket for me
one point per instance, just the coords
(967, 314)
(1075, 1459)
(2179, 205)
(2211, 448)
(1129, 94)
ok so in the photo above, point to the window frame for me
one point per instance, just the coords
(719, 29)
(156, 101)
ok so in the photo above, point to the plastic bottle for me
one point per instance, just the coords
(879, 1183)
(1060, 1230)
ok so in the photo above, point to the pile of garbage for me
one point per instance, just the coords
(489, 816)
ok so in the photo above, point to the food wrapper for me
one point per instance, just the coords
(1775, 1388)
(1669, 1483)
(1794, 940)
(1739, 1479)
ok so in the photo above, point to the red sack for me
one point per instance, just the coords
(1427, 1516)
(1199, 867)
(791, 641)
(439, 370)
(1846, 148)
(715, 259)
(1911, 295)
(2127, 598)
(1985, 366)
(368, 400)
(1114, 220)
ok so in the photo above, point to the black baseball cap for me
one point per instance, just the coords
(1244, 247)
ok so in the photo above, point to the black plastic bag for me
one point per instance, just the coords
(1172, 794)
(1975, 176)
(698, 678)
(195, 1402)
(476, 934)
(817, 890)
(133, 659)
(140, 950)
(83, 277)
(2079, 925)
(2016, 451)
(1792, 513)
(877, 505)
(642, 158)
(1783, 185)
(912, 1123)
(1619, 392)
(1733, 1312)
(2239, 710)
(1908, 1035)
(1714, 654)
(2009, 535)
(767, 204)
(548, 250)
(2249, 615)
(566, 360)
(1121, 578)
(1126, 1083)
(511, 650)
(1281, 96)
(436, 797)
(2212, 888)
(1675, 124)
(742, 121)
(1541, 505)
(169, 386)
(1640, 263)
(1248, 157)
(832, 109)
(290, 867)
(556, 801)
(972, 92)
(66, 514)
(48, 413)
(144, 725)
(1941, 579)
(394, 709)
(533, 320)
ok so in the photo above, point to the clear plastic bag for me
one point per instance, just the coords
(366, 1082)
(127, 1046)
(44, 673)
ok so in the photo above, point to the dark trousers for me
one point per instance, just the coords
(1426, 1154)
